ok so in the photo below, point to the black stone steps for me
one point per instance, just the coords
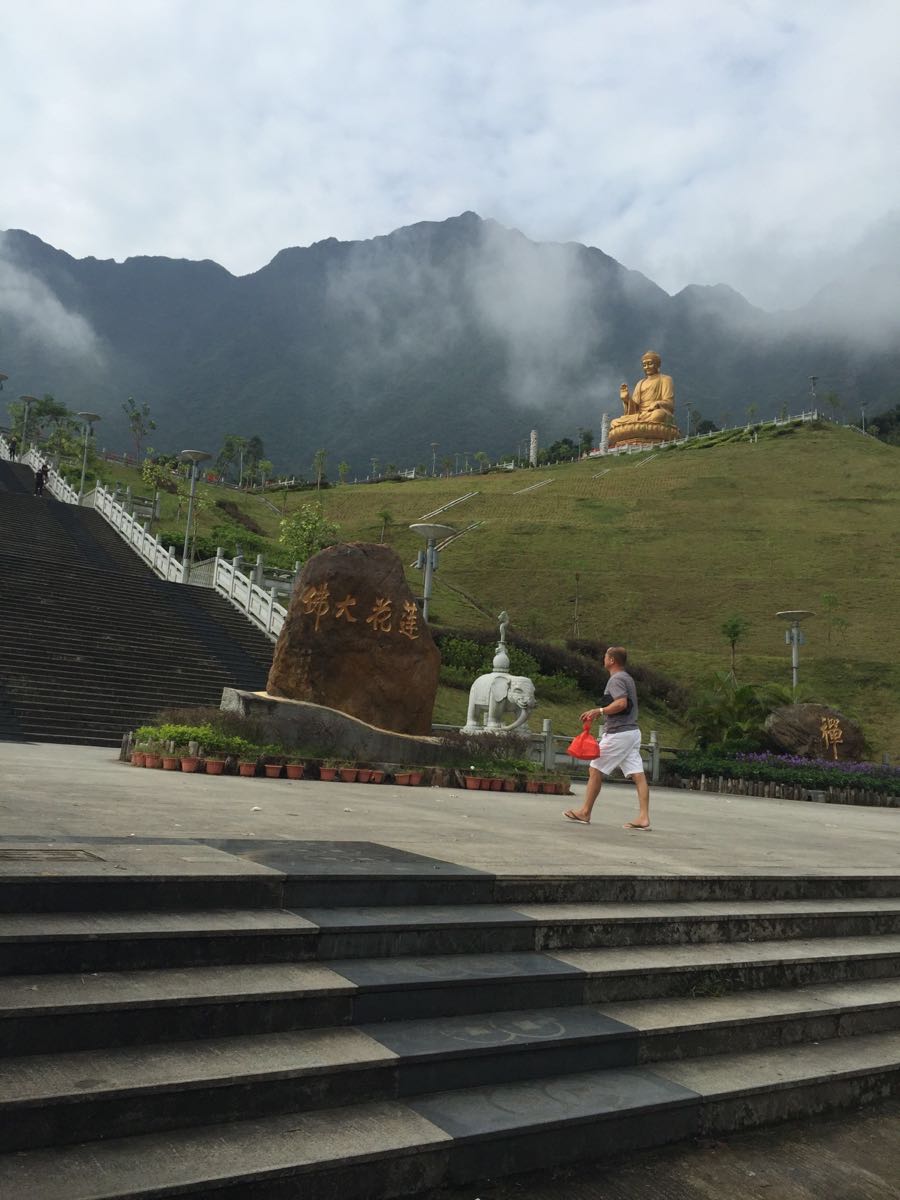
(65, 1098)
(408, 1146)
(84, 941)
(45, 1013)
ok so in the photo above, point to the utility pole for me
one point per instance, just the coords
(813, 380)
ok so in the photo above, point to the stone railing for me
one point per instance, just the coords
(258, 604)
(137, 535)
(55, 485)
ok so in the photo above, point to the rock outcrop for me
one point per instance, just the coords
(354, 640)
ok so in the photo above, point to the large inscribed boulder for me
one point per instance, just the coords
(354, 640)
(816, 731)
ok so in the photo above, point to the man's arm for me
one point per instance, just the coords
(614, 706)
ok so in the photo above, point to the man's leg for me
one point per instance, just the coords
(642, 820)
(591, 792)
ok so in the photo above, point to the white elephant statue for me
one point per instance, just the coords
(494, 694)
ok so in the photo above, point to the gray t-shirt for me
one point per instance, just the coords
(621, 684)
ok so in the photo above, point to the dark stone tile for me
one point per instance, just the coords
(341, 858)
(491, 1111)
(424, 916)
(493, 1031)
(436, 970)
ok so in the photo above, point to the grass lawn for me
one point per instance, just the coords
(661, 548)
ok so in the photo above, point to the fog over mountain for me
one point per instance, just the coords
(460, 332)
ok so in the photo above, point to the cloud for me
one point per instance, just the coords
(697, 141)
(41, 316)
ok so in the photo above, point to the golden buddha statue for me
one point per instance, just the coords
(649, 415)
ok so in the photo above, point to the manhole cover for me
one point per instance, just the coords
(48, 855)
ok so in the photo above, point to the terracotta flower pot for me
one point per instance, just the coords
(190, 763)
(509, 785)
(294, 770)
(377, 777)
(214, 766)
(348, 774)
(486, 785)
(273, 770)
(171, 762)
(327, 772)
(473, 783)
(152, 760)
(363, 775)
(496, 785)
(532, 785)
(415, 778)
(402, 777)
(247, 769)
(137, 758)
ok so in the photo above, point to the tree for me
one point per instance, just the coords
(733, 629)
(343, 471)
(707, 426)
(386, 519)
(752, 410)
(834, 402)
(232, 453)
(586, 441)
(265, 470)
(728, 716)
(140, 423)
(307, 531)
(447, 464)
(253, 452)
(835, 622)
(482, 459)
(319, 466)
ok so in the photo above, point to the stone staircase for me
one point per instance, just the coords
(92, 643)
(329, 1019)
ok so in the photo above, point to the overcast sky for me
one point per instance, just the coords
(741, 141)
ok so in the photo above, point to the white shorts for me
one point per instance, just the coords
(620, 750)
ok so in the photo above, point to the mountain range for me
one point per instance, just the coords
(461, 333)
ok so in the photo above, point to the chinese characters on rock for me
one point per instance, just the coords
(317, 601)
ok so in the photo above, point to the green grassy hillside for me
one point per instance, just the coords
(666, 546)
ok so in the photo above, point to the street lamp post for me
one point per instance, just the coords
(794, 638)
(194, 457)
(434, 446)
(27, 401)
(862, 409)
(89, 418)
(428, 558)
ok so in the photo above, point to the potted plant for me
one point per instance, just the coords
(190, 762)
(329, 768)
(377, 775)
(273, 761)
(153, 755)
(363, 774)
(294, 768)
(171, 761)
(348, 772)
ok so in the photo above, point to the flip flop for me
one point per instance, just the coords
(639, 828)
(570, 816)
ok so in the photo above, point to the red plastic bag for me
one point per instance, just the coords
(585, 745)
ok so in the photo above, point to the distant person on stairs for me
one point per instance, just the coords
(14, 447)
(40, 478)
(620, 745)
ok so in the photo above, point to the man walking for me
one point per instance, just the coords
(620, 745)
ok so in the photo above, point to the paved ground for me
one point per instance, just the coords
(51, 791)
(61, 793)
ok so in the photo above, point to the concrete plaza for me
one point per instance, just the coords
(68, 793)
